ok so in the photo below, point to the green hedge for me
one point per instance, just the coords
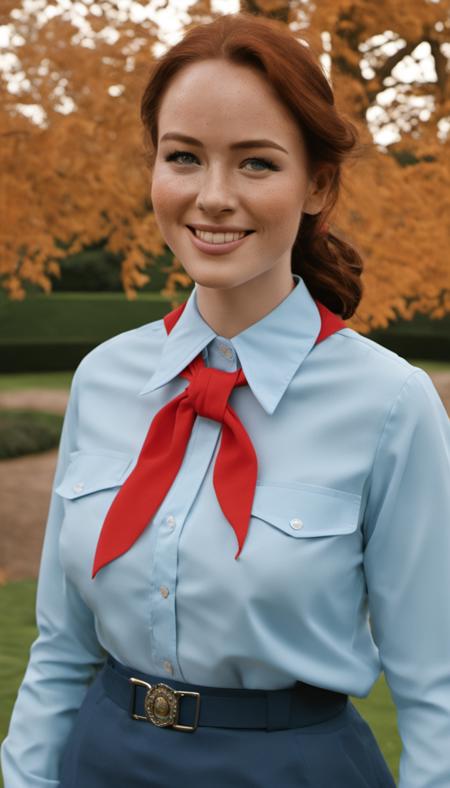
(54, 332)
(417, 338)
(75, 317)
(28, 432)
(431, 348)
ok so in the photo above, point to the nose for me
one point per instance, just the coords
(215, 193)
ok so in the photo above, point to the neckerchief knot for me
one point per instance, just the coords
(210, 389)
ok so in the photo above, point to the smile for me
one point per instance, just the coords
(218, 238)
(217, 243)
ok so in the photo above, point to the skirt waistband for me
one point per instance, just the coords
(166, 702)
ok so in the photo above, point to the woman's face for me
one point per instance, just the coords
(215, 181)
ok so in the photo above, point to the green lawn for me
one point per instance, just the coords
(17, 625)
(431, 366)
(31, 380)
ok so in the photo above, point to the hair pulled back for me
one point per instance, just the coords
(330, 267)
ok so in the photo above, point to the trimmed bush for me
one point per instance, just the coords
(426, 346)
(54, 332)
(28, 432)
(421, 337)
(43, 356)
(75, 317)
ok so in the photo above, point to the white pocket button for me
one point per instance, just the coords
(296, 524)
(78, 487)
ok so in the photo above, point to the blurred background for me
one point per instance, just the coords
(82, 259)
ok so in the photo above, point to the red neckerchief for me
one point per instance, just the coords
(162, 453)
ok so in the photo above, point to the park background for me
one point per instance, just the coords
(82, 259)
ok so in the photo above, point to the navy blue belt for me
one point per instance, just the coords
(180, 706)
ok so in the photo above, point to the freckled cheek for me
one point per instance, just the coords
(278, 215)
(167, 201)
(164, 191)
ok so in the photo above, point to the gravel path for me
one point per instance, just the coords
(25, 485)
(51, 400)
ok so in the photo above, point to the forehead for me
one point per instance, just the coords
(218, 99)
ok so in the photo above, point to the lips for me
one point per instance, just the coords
(215, 249)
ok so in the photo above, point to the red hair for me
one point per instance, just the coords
(330, 267)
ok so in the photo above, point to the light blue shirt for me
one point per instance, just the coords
(351, 518)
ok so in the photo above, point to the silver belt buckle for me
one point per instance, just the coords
(162, 705)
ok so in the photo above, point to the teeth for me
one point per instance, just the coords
(218, 238)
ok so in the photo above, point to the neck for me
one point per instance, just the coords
(230, 311)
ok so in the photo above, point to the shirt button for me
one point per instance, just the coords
(168, 667)
(78, 487)
(164, 591)
(170, 520)
(226, 351)
(296, 524)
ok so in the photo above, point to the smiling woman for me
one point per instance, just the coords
(224, 185)
(261, 152)
(250, 514)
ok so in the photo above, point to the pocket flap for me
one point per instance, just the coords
(307, 510)
(88, 472)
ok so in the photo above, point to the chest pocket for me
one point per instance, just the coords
(87, 489)
(90, 472)
(306, 510)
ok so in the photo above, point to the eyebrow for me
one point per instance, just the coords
(235, 146)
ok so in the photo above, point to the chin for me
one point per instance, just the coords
(214, 282)
(211, 274)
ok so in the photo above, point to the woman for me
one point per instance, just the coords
(241, 484)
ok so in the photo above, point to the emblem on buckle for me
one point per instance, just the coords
(161, 705)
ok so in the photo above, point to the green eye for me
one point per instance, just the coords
(174, 156)
(266, 163)
(179, 155)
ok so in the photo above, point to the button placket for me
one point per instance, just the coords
(163, 624)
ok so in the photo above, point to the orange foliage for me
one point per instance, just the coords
(398, 216)
(80, 176)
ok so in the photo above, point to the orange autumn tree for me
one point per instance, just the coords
(395, 202)
(77, 176)
(82, 177)
(397, 205)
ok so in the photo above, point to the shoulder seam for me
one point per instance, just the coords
(373, 345)
(357, 337)
(416, 371)
(388, 416)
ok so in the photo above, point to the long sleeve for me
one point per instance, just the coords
(63, 658)
(407, 566)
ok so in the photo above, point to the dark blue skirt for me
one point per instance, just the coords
(107, 748)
